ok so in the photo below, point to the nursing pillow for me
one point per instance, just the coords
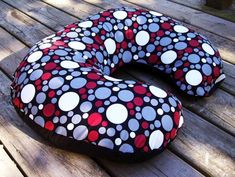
(64, 90)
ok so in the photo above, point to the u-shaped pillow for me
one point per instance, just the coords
(64, 85)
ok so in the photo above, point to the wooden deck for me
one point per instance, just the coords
(204, 147)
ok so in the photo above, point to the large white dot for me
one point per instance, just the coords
(142, 38)
(69, 64)
(45, 45)
(156, 139)
(77, 45)
(117, 113)
(220, 78)
(157, 91)
(35, 56)
(181, 29)
(155, 13)
(193, 77)
(86, 24)
(120, 14)
(110, 45)
(68, 101)
(207, 48)
(168, 57)
(27, 93)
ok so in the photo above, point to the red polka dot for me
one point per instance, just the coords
(178, 74)
(173, 133)
(93, 76)
(129, 34)
(48, 110)
(140, 89)
(94, 119)
(49, 125)
(216, 71)
(193, 43)
(50, 66)
(145, 125)
(140, 141)
(153, 59)
(138, 101)
(176, 118)
(166, 25)
(46, 76)
(93, 135)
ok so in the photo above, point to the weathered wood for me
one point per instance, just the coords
(33, 154)
(197, 18)
(166, 164)
(158, 165)
(228, 14)
(218, 4)
(7, 166)
(21, 25)
(209, 148)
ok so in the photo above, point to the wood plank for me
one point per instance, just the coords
(197, 18)
(228, 14)
(225, 46)
(159, 165)
(209, 148)
(32, 153)
(7, 166)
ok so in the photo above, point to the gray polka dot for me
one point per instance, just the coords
(193, 58)
(61, 131)
(111, 132)
(141, 19)
(21, 78)
(126, 95)
(166, 107)
(200, 91)
(133, 124)
(165, 41)
(56, 82)
(86, 106)
(76, 119)
(206, 69)
(61, 52)
(36, 74)
(124, 135)
(148, 113)
(180, 45)
(126, 148)
(106, 143)
(87, 40)
(41, 97)
(153, 27)
(119, 36)
(78, 83)
(80, 132)
(172, 102)
(39, 120)
(167, 123)
(102, 93)
(127, 57)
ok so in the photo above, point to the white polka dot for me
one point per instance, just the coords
(181, 121)
(157, 92)
(207, 48)
(86, 24)
(116, 113)
(155, 13)
(45, 45)
(193, 77)
(156, 139)
(110, 45)
(77, 45)
(142, 38)
(111, 78)
(120, 15)
(160, 111)
(72, 34)
(68, 101)
(220, 78)
(69, 64)
(168, 57)
(34, 56)
(118, 141)
(27, 93)
(181, 29)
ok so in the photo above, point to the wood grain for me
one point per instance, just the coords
(7, 166)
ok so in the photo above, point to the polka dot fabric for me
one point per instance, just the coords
(64, 85)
